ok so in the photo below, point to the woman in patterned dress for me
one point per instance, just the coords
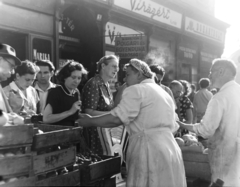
(98, 99)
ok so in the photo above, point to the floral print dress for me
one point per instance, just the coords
(97, 96)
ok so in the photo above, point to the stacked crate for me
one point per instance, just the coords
(197, 168)
(30, 158)
(54, 156)
(16, 156)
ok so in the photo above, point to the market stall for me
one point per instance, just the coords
(46, 155)
(196, 163)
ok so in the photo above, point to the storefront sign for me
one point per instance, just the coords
(203, 30)
(207, 57)
(130, 46)
(187, 52)
(114, 30)
(42, 49)
(152, 10)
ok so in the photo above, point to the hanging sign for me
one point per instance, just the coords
(203, 30)
(131, 46)
(152, 10)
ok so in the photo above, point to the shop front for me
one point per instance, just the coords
(29, 28)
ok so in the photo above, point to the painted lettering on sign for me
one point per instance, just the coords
(40, 56)
(114, 30)
(206, 31)
(130, 47)
(152, 10)
(142, 5)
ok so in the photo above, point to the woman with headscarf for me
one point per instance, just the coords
(147, 111)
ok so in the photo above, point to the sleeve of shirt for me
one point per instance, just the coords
(129, 107)
(211, 120)
(91, 96)
(52, 98)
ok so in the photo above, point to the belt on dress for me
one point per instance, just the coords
(149, 131)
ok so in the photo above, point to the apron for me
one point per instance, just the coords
(154, 159)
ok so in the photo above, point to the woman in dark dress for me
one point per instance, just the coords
(63, 102)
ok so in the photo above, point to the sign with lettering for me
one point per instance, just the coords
(204, 30)
(187, 52)
(113, 30)
(207, 57)
(131, 46)
(42, 49)
(152, 10)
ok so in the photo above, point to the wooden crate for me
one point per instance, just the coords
(55, 135)
(15, 135)
(103, 169)
(16, 165)
(21, 182)
(107, 182)
(69, 179)
(54, 160)
(196, 165)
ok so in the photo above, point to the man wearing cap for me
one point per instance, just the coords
(8, 61)
(147, 111)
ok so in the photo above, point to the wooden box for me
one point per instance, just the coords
(54, 160)
(16, 165)
(21, 182)
(103, 169)
(107, 182)
(15, 135)
(69, 179)
(196, 165)
(55, 135)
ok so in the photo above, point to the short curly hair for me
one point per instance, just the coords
(27, 67)
(186, 86)
(67, 70)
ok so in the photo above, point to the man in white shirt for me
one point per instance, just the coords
(221, 124)
(43, 83)
(8, 62)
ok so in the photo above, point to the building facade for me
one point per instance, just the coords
(182, 36)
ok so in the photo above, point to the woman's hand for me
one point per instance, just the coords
(75, 107)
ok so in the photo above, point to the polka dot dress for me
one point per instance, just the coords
(97, 96)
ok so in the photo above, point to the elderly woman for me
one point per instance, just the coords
(63, 102)
(147, 111)
(22, 97)
(98, 99)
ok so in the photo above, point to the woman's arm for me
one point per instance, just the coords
(105, 120)
(95, 112)
(189, 116)
(49, 117)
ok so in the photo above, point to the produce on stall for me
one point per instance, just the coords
(195, 157)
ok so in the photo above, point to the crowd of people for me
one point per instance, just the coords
(151, 112)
